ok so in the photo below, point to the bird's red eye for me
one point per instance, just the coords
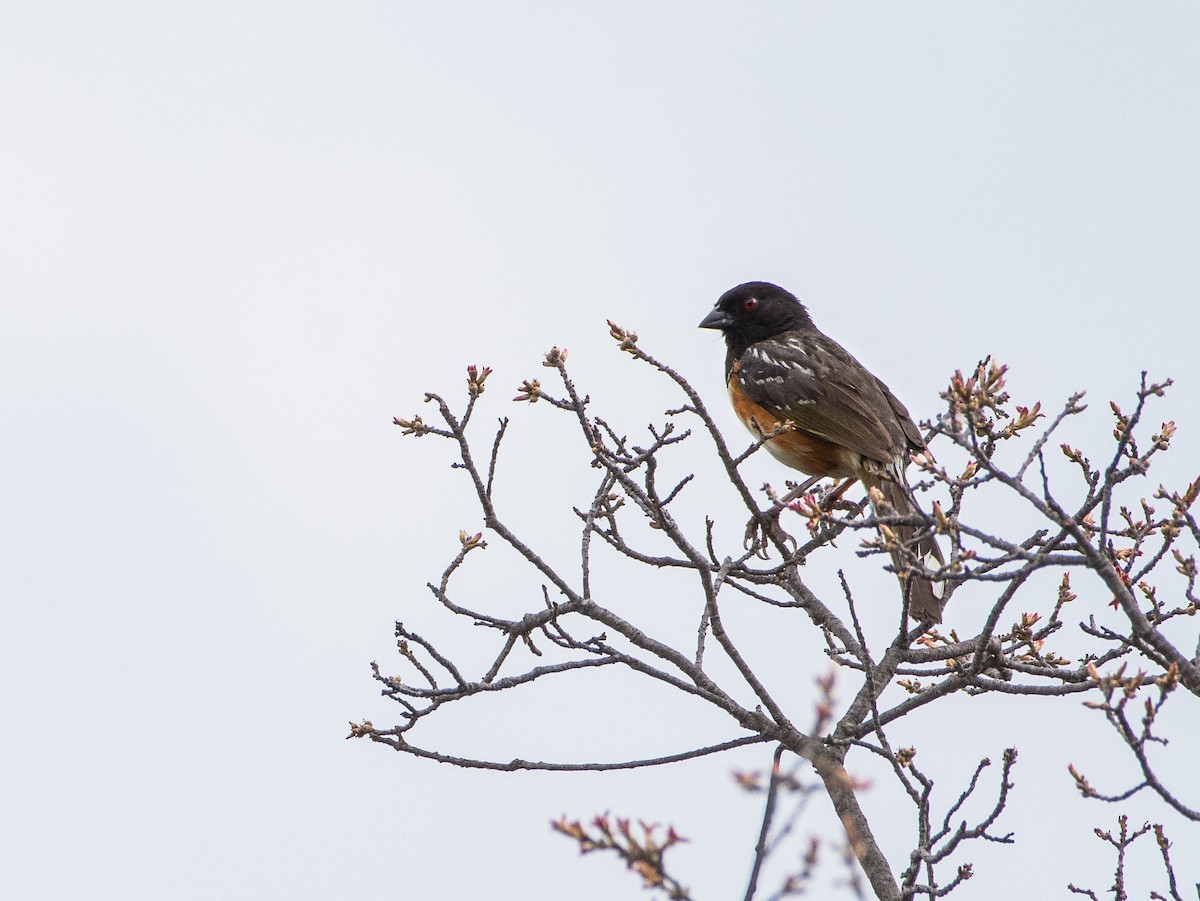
(749, 304)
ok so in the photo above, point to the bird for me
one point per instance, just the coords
(823, 413)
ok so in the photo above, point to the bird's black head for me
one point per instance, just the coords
(755, 311)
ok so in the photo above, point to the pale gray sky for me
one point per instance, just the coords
(237, 238)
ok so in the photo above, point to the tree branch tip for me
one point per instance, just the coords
(626, 338)
(530, 391)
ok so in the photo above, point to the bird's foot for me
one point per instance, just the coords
(763, 530)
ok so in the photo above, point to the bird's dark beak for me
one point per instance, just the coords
(718, 318)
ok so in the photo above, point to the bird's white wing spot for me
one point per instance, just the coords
(785, 363)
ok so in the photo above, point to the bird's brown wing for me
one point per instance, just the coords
(916, 440)
(809, 380)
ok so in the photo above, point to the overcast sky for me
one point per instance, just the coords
(237, 238)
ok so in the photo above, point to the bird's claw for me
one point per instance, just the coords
(761, 530)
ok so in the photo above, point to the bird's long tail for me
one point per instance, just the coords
(926, 599)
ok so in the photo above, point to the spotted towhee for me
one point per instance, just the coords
(827, 415)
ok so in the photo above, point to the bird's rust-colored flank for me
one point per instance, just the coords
(792, 447)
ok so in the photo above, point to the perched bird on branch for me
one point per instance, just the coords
(822, 413)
